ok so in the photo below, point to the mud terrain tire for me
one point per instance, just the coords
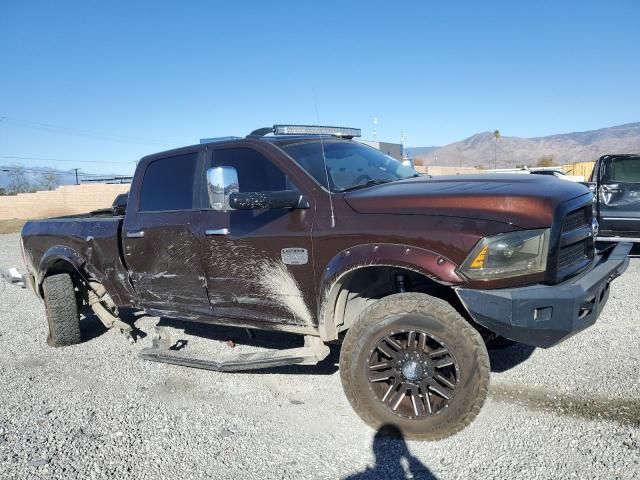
(440, 323)
(62, 310)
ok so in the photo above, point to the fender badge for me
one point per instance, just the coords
(294, 256)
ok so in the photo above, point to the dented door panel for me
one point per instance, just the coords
(164, 263)
(619, 196)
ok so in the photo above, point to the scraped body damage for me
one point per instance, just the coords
(164, 265)
(243, 280)
(277, 282)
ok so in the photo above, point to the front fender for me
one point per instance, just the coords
(425, 262)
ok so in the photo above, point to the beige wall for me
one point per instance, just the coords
(67, 200)
(580, 168)
(440, 170)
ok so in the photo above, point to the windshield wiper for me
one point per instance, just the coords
(368, 183)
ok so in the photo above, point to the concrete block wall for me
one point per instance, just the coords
(65, 200)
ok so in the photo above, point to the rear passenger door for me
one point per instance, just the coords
(161, 237)
(258, 263)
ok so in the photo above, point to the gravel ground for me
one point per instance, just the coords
(96, 411)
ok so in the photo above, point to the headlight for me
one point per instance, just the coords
(508, 255)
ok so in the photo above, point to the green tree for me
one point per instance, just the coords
(496, 137)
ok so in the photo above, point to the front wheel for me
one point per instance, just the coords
(410, 360)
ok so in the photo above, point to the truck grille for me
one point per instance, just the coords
(571, 254)
(576, 219)
(575, 243)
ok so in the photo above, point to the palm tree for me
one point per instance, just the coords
(496, 136)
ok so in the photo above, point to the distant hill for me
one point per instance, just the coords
(481, 148)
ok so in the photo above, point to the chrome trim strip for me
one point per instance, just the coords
(619, 239)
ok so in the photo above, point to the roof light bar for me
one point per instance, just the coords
(344, 132)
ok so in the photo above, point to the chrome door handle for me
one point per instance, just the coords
(135, 234)
(216, 231)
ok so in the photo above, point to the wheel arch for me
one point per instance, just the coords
(354, 264)
(58, 259)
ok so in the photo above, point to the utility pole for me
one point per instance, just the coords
(77, 181)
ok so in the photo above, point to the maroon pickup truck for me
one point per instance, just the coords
(303, 229)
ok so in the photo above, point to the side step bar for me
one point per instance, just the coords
(313, 352)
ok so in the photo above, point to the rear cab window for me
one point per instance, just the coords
(167, 184)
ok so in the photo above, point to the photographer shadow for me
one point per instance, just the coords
(393, 459)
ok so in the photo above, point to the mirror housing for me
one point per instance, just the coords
(222, 182)
(224, 194)
(268, 200)
(593, 186)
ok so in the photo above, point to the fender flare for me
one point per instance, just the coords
(55, 254)
(425, 262)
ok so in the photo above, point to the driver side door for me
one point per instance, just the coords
(257, 262)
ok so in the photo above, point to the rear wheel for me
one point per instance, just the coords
(412, 361)
(62, 310)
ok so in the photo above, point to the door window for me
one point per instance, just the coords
(624, 170)
(256, 173)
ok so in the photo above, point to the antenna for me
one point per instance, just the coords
(324, 160)
(375, 127)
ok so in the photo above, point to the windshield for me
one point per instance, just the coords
(350, 165)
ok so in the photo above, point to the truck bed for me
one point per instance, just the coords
(92, 240)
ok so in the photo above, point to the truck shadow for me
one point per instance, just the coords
(503, 359)
(392, 459)
(234, 336)
(91, 327)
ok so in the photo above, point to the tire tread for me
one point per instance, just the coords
(62, 310)
(408, 303)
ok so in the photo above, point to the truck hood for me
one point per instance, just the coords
(527, 201)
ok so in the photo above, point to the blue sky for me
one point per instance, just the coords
(104, 83)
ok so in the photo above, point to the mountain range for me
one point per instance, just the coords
(483, 149)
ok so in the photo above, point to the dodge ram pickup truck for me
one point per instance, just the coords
(303, 229)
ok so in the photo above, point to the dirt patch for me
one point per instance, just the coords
(11, 226)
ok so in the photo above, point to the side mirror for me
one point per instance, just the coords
(222, 182)
(593, 186)
(268, 200)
